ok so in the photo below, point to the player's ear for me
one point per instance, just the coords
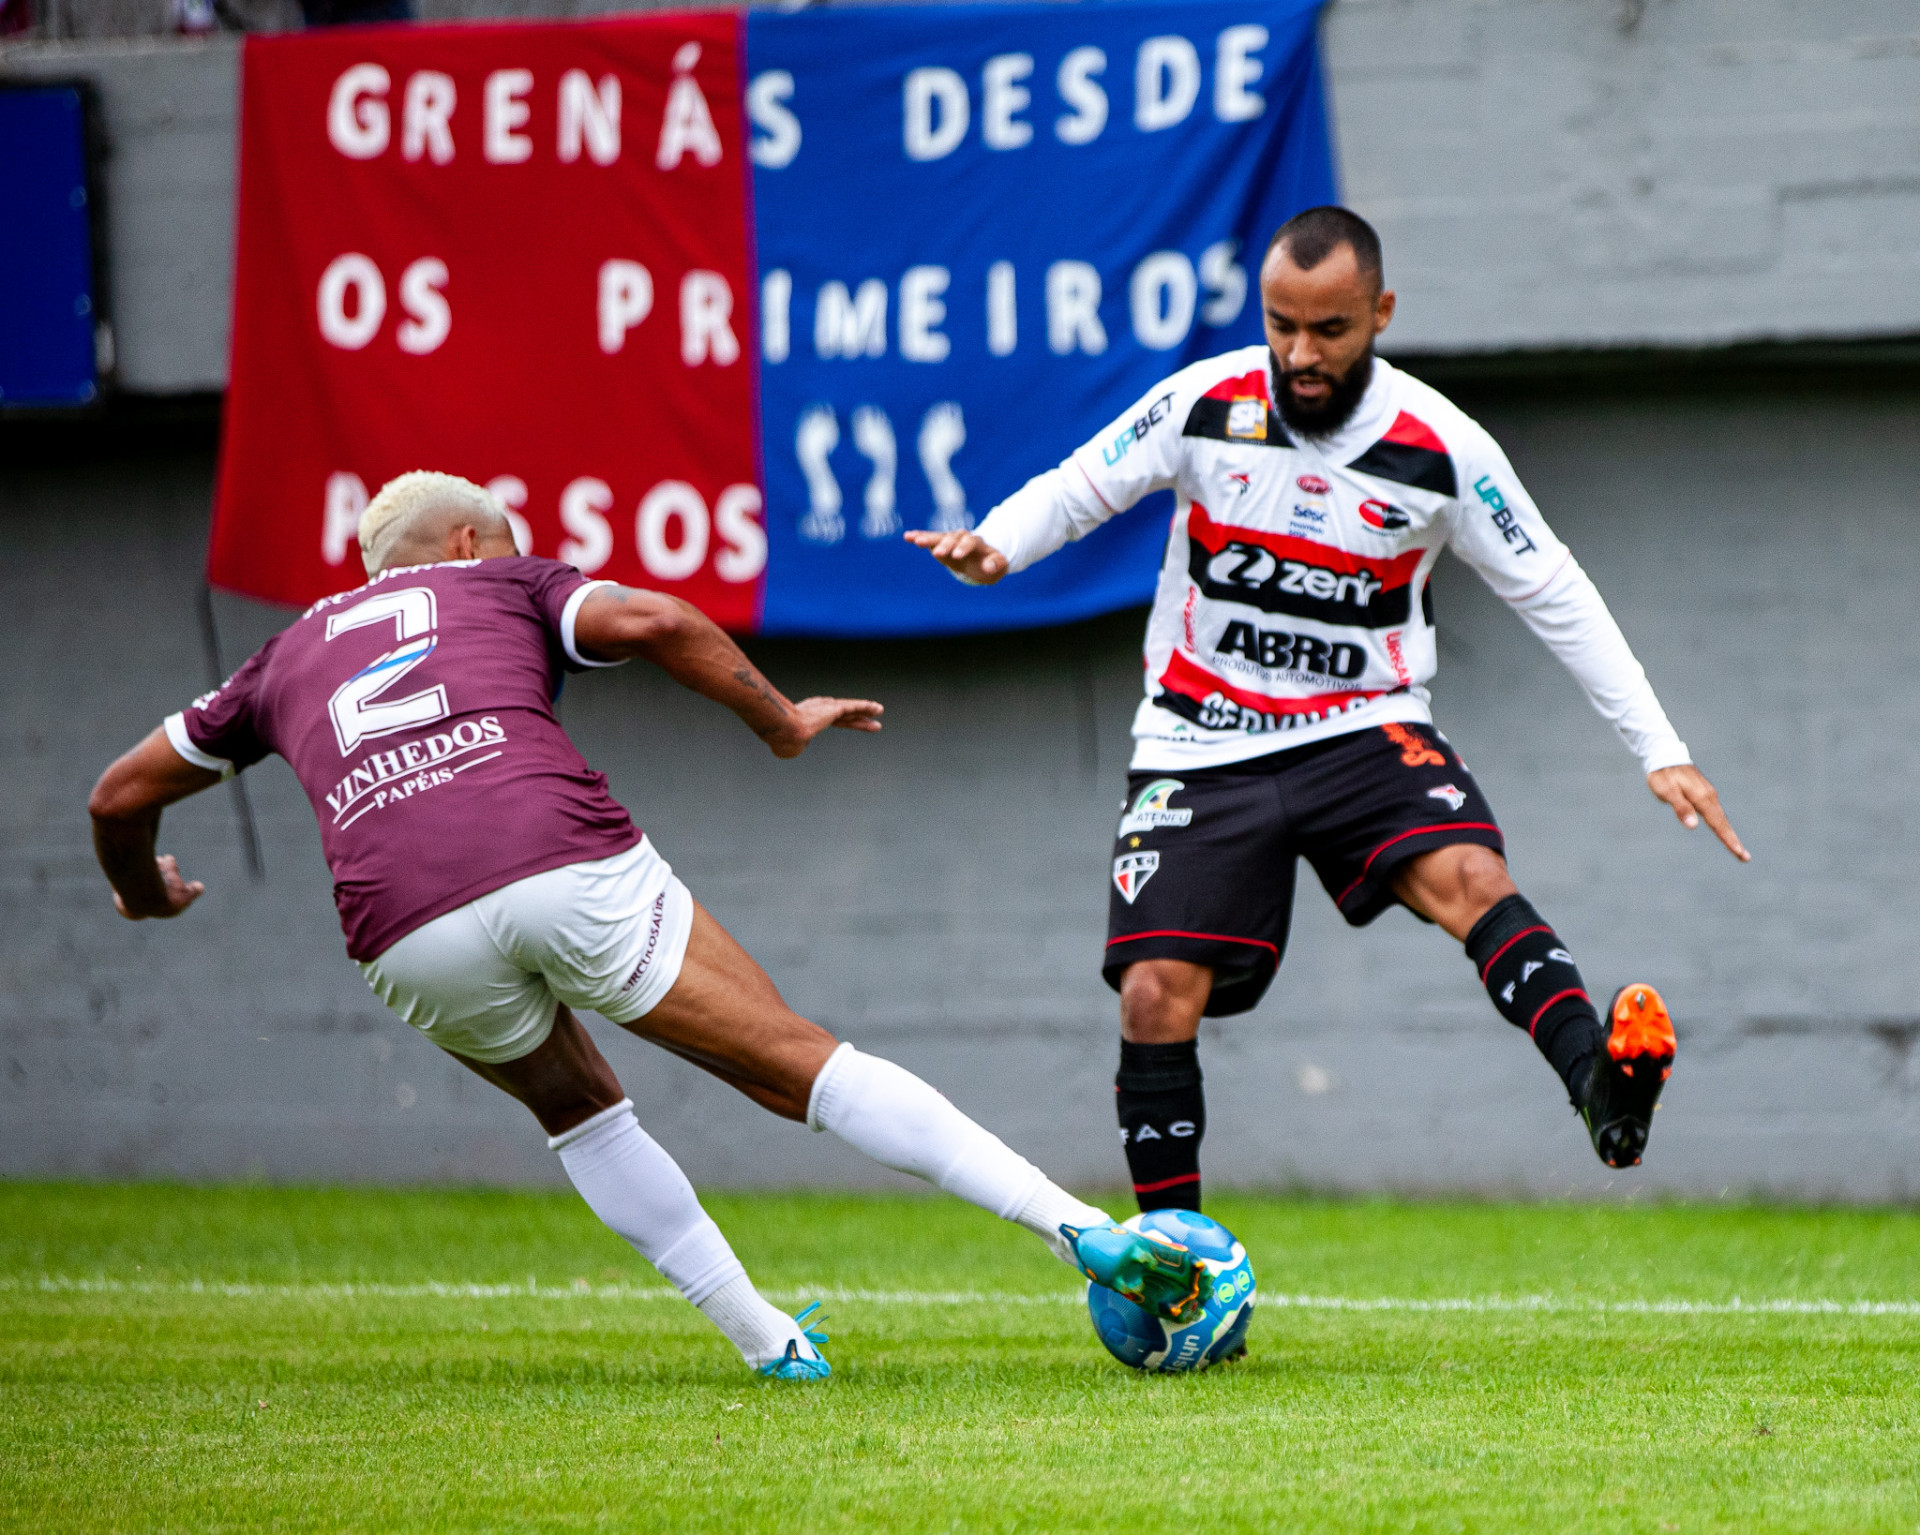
(1383, 311)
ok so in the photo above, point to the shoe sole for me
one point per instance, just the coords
(1640, 1029)
(1641, 1045)
(1169, 1260)
(1156, 1258)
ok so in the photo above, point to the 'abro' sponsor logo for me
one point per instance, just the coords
(1276, 650)
(1312, 484)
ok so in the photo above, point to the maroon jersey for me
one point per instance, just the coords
(417, 713)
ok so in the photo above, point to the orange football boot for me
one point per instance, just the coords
(1625, 1086)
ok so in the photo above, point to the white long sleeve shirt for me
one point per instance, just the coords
(1292, 604)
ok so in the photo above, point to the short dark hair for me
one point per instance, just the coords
(1314, 235)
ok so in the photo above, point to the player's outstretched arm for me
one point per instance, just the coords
(1694, 800)
(125, 806)
(618, 623)
(966, 554)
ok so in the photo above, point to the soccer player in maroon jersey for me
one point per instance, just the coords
(488, 884)
(1287, 714)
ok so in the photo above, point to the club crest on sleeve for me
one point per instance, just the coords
(1150, 809)
(1131, 871)
(1454, 797)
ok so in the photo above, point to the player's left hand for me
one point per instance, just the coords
(1693, 799)
(810, 716)
(176, 893)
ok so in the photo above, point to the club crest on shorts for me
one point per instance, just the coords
(1150, 809)
(1454, 797)
(1131, 871)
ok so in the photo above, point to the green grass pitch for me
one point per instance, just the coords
(223, 1359)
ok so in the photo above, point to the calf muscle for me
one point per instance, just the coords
(565, 1082)
(726, 1016)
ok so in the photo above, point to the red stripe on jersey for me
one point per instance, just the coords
(1192, 680)
(1214, 536)
(1247, 386)
(1412, 432)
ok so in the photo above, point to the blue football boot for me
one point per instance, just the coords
(1155, 1274)
(790, 1365)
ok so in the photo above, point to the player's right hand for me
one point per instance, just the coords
(810, 716)
(966, 554)
(178, 893)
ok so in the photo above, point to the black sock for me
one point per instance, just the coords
(1534, 983)
(1163, 1116)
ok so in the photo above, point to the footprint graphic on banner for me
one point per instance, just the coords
(873, 438)
(813, 443)
(943, 432)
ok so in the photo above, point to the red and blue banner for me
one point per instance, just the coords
(720, 304)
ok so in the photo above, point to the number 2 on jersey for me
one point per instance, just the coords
(357, 708)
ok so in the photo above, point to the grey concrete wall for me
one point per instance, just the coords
(1547, 173)
(937, 893)
(167, 109)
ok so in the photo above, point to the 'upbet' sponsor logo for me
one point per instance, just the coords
(1121, 445)
(1503, 517)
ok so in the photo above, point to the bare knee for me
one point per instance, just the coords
(1161, 1000)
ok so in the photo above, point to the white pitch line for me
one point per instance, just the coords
(1556, 1304)
(52, 1284)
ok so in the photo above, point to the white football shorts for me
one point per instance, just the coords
(486, 979)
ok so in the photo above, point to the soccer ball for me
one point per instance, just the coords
(1142, 1340)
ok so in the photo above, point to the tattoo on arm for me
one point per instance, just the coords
(747, 677)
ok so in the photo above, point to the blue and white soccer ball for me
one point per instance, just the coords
(1142, 1340)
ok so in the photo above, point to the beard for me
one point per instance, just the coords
(1322, 417)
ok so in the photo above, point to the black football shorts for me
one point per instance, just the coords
(1203, 865)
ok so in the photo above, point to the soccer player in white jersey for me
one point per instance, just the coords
(1287, 713)
(488, 884)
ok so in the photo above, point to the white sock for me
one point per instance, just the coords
(892, 1116)
(1052, 1207)
(629, 1181)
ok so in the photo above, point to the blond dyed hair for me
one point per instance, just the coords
(406, 503)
